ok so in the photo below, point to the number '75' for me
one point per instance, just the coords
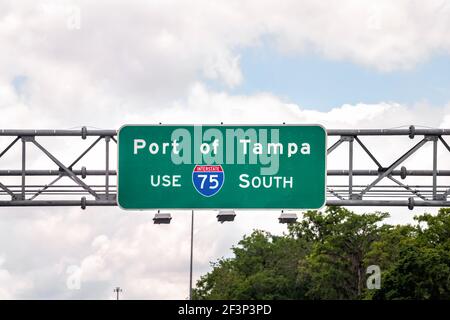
(214, 183)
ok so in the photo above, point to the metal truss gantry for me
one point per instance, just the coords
(81, 192)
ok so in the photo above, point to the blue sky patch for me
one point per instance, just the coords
(314, 82)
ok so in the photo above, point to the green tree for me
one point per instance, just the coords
(420, 268)
(325, 256)
(335, 267)
(264, 267)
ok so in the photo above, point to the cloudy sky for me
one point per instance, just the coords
(66, 64)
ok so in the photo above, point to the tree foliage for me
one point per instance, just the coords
(326, 255)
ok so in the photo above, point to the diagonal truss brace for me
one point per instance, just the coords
(70, 167)
(65, 169)
(413, 191)
(395, 165)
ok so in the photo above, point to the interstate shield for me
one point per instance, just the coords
(208, 179)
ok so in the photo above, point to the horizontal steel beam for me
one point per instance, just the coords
(65, 133)
(388, 203)
(394, 172)
(330, 132)
(55, 172)
(329, 172)
(57, 203)
(386, 132)
(357, 203)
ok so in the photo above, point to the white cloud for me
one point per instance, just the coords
(11, 285)
(224, 66)
(142, 56)
(203, 106)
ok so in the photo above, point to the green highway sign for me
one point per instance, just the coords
(221, 167)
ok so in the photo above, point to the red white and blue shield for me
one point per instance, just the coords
(208, 179)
